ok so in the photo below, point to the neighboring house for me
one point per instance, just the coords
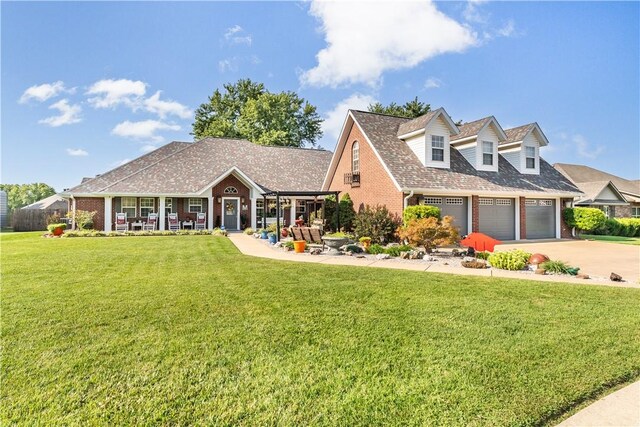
(225, 178)
(55, 203)
(617, 197)
(491, 180)
(4, 208)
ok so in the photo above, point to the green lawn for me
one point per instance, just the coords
(185, 330)
(613, 239)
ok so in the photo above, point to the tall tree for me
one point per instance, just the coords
(19, 195)
(245, 109)
(410, 109)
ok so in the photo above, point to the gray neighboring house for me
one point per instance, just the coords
(4, 208)
(615, 196)
(55, 203)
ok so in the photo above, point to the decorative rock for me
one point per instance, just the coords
(416, 255)
(383, 256)
(445, 263)
(471, 252)
(428, 258)
(538, 259)
(541, 271)
(359, 256)
(615, 277)
(405, 255)
(474, 263)
(582, 276)
(287, 249)
(277, 244)
(468, 259)
(315, 251)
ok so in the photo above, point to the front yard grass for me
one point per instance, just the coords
(186, 330)
(613, 239)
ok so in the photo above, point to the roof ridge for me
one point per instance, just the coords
(219, 138)
(388, 115)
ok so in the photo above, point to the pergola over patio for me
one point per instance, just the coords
(314, 194)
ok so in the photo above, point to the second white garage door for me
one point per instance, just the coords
(498, 218)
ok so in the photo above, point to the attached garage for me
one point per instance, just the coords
(541, 218)
(457, 207)
(497, 217)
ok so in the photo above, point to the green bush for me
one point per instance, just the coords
(377, 223)
(249, 231)
(52, 227)
(339, 234)
(625, 227)
(375, 249)
(558, 267)
(483, 255)
(509, 260)
(353, 249)
(347, 213)
(395, 250)
(83, 219)
(420, 211)
(584, 219)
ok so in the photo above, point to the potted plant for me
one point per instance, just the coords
(272, 238)
(57, 229)
(299, 246)
(264, 233)
(284, 232)
(366, 242)
(334, 241)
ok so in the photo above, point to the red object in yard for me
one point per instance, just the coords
(299, 222)
(58, 231)
(284, 232)
(480, 242)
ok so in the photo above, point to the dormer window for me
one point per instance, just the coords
(487, 153)
(355, 157)
(437, 148)
(530, 153)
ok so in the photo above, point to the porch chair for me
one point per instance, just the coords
(297, 233)
(121, 222)
(201, 221)
(174, 224)
(316, 235)
(151, 223)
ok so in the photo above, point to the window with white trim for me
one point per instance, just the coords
(259, 211)
(530, 157)
(301, 207)
(168, 205)
(437, 148)
(355, 157)
(545, 203)
(606, 210)
(128, 206)
(531, 202)
(231, 190)
(635, 212)
(503, 202)
(485, 202)
(487, 153)
(195, 205)
(454, 201)
(432, 201)
(147, 206)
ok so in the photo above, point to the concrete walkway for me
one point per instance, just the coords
(621, 408)
(260, 248)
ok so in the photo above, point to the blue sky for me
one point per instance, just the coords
(80, 81)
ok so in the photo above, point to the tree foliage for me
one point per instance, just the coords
(347, 213)
(376, 222)
(584, 219)
(19, 195)
(410, 109)
(429, 232)
(420, 211)
(82, 219)
(246, 109)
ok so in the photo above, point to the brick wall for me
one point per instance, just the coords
(523, 218)
(565, 230)
(376, 186)
(622, 212)
(475, 212)
(93, 204)
(182, 208)
(243, 191)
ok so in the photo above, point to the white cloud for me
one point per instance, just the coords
(155, 105)
(229, 64)
(472, 13)
(432, 83)
(334, 119)
(508, 29)
(143, 130)
(584, 148)
(386, 36)
(77, 152)
(43, 92)
(238, 35)
(68, 114)
(110, 93)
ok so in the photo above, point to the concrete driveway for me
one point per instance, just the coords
(594, 258)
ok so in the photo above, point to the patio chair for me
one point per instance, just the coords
(297, 233)
(151, 223)
(306, 234)
(316, 235)
(121, 222)
(201, 221)
(174, 224)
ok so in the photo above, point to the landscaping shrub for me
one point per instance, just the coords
(395, 250)
(420, 211)
(249, 231)
(340, 235)
(97, 233)
(559, 267)
(83, 219)
(375, 249)
(219, 232)
(377, 223)
(54, 218)
(347, 213)
(429, 232)
(52, 227)
(509, 260)
(353, 249)
(625, 227)
(483, 255)
(584, 219)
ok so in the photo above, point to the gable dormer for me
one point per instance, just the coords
(428, 136)
(478, 143)
(522, 148)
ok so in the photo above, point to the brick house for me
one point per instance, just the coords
(615, 196)
(489, 179)
(224, 178)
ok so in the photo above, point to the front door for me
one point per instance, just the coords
(230, 214)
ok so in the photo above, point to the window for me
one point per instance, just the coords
(546, 202)
(355, 158)
(503, 202)
(168, 205)
(635, 212)
(301, 207)
(231, 190)
(437, 148)
(486, 202)
(531, 202)
(487, 153)
(259, 211)
(530, 153)
(195, 205)
(605, 209)
(454, 200)
(147, 206)
(432, 201)
(129, 206)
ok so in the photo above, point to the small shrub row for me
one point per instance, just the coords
(559, 267)
(98, 233)
(54, 226)
(509, 260)
(625, 227)
(395, 250)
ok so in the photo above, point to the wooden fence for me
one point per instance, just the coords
(31, 219)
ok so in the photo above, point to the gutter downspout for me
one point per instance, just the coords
(73, 217)
(406, 199)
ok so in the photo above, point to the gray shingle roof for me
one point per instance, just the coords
(193, 166)
(409, 172)
(52, 202)
(517, 134)
(592, 190)
(582, 173)
(470, 129)
(417, 123)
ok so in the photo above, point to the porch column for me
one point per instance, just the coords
(559, 217)
(161, 212)
(254, 213)
(107, 213)
(210, 211)
(517, 221)
(73, 210)
(292, 212)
